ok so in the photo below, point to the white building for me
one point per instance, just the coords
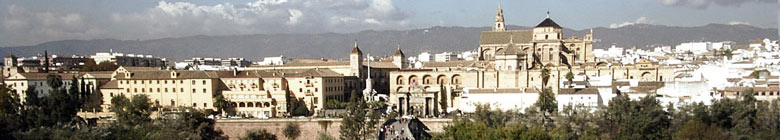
(504, 99)
(445, 56)
(276, 60)
(424, 57)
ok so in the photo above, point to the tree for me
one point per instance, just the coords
(221, 103)
(260, 134)
(697, 130)
(31, 98)
(9, 111)
(132, 111)
(545, 76)
(54, 81)
(443, 98)
(354, 125)
(546, 104)
(292, 131)
(107, 66)
(90, 65)
(745, 117)
(569, 77)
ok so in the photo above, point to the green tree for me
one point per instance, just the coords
(745, 117)
(355, 124)
(545, 76)
(547, 105)
(9, 111)
(132, 111)
(292, 131)
(107, 66)
(569, 77)
(697, 130)
(442, 98)
(221, 103)
(260, 134)
(89, 65)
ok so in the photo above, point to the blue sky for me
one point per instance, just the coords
(31, 22)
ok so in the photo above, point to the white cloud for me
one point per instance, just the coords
(372, 21)
(640, 20)
(295, 15)
(175, 19)
(738, 23)
(702, 4)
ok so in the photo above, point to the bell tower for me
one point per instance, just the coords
(399, 58)
(356, 61)
(499, 23)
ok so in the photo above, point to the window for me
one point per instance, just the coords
(166, 89)
(194, 105)
(204, 82)
(181, 89)
(158, 89)
(193, 82)
(205, 105)
(135, 89)
(193, 90)
(316, 101)
(204, 90)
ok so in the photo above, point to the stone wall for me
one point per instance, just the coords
(310, 128)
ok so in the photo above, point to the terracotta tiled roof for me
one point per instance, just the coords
(502, 37)
(42, 76)
(449, 64)
(140, 68)
(110, 85)
(578, 91)
(503, 91)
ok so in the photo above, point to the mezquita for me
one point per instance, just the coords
(508, 72)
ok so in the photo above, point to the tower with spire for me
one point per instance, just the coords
(399, 57)
(356, 61)
(499, 23)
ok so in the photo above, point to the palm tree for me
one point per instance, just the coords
(545, 76)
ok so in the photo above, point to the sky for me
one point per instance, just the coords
(30, 22)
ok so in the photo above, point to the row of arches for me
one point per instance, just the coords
(252, 104)
(428, 79)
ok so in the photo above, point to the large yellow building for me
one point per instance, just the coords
(509, 60)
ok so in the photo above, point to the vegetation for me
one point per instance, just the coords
(336, 104)
(292, 131)
(740, 118)
(260, 134)
(90, 65)
(361, 122)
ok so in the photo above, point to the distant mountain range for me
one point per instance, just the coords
(338, 45)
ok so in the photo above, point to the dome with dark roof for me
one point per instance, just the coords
(548, 23)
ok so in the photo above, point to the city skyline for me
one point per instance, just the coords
(33, 22)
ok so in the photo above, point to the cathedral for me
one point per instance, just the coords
(542, 46)
(509, 68)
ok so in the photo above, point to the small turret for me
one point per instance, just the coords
(399, 57)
